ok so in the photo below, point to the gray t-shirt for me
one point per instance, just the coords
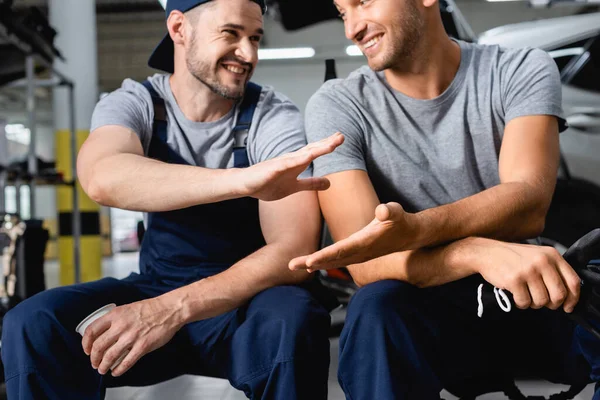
(426, 153)
(277, 127)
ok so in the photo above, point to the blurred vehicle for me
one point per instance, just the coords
(574, 43)
(125, 230)
(125, 241)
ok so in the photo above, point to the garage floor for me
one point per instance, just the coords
(192, 387)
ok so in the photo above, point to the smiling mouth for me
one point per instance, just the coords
(236, 70)
(372, 42)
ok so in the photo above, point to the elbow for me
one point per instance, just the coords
(361, 279)
(536, 227)
(534, 224)
(98, 189)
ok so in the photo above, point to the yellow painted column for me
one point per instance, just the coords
(90, 241)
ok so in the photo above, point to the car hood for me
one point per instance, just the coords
(545, 34)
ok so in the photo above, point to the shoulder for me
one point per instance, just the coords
(355, 89)
(270, 98)
(509, 60)
(525, 58)
(132, 95)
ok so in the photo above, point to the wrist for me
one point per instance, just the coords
(236, 182)
(423, 230)
(468, 254)
(176, 302)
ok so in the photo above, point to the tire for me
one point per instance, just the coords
(575, 211)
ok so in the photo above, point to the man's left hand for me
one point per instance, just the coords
(136, 329)
(392, 230)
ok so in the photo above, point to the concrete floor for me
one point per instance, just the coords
(194, 388)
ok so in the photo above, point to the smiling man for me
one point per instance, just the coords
(449, 148)
(214, 161)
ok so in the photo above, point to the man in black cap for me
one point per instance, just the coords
(214, 161)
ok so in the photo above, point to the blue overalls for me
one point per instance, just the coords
(275, 347)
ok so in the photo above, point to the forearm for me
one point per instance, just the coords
(425, 267)
(509, 211)
(234, 287)
(133, 182)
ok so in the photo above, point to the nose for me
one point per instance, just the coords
(247, 51)
(354, 26)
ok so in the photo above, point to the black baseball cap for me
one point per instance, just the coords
(162, 56)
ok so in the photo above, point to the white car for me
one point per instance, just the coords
(574, 43)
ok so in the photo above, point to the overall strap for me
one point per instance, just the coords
(242, 127)
(158, 148)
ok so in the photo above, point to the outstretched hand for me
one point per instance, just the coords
(392, 230)
(278, 178)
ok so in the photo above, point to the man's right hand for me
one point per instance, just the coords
(278, 178)
(536, 276)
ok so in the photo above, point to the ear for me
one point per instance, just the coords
(175, 25)
(430, 3)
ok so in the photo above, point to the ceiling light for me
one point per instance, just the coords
(353, 51)
(286, 53)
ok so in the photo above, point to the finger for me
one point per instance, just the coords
(100, 346)
(130, 360)
(340, 254)
(111, 356)
(93, 331)
(298, 263)
(573, 284)
(521, 295)
(324, 146)
(390, 211)
(539, 294)
(556, 288)
(312, 184)
(336, 139)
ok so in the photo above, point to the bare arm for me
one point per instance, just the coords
(536, 276)
(290, 226)
(114, 172)
(348, 206)
(516, 208)
(513, 210)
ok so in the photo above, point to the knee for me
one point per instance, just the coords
(294, 318)
(28, 317)
(378, 300)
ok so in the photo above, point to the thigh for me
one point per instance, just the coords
(65, 307)
(464, 347)
(442, 325)
(546, 346)
(518, 344)
(242, 341)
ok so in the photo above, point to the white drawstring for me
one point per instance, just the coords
(501, 298)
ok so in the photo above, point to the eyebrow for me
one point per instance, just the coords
(238, 27)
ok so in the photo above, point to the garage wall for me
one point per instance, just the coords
(125, 41)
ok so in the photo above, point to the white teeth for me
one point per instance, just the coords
(372, 42)
(233, 69)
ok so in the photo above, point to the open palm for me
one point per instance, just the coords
(278, 178)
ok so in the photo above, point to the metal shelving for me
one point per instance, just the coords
(39, 53)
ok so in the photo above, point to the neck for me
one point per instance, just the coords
(428, 72)
(197, 102)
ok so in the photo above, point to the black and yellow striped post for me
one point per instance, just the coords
(90, 244)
